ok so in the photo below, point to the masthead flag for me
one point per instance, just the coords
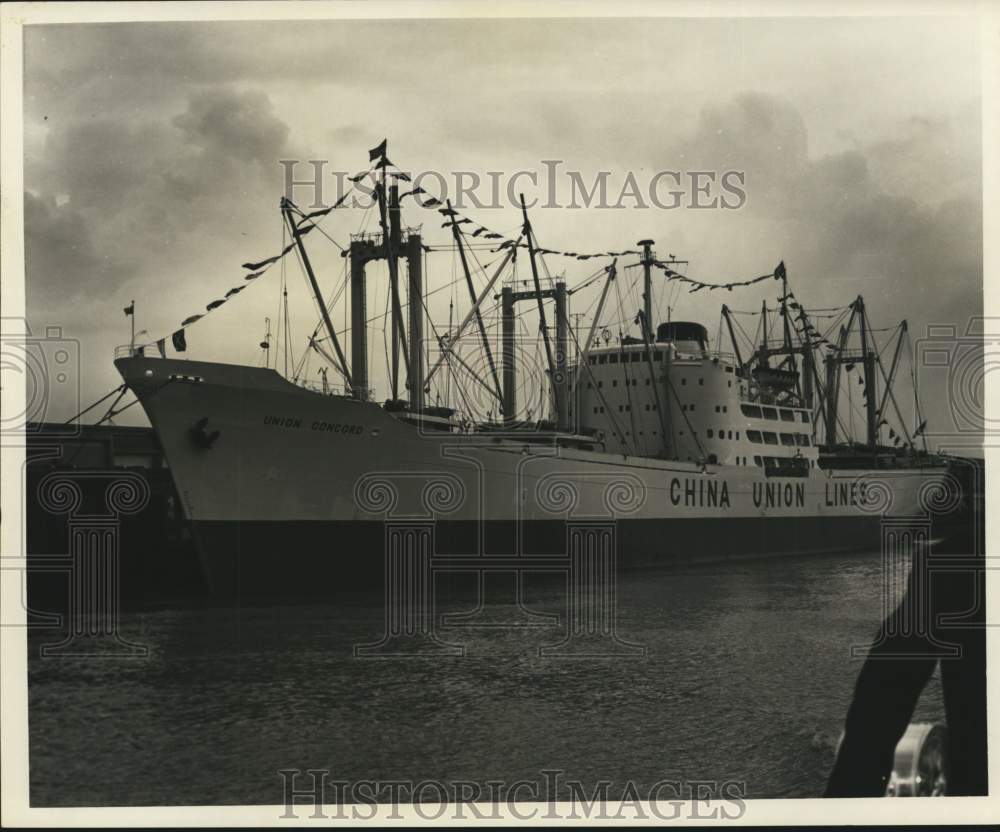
(130, 309)
(378, 152)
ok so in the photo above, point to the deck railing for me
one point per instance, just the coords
(137, 351)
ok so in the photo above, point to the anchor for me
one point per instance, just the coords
(201, 436)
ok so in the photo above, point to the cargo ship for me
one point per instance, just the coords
(693, 453)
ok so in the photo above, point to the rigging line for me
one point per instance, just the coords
(385, 315)
(588, 281)
(604, 402)
(91, 407)
(317, 300)
(426, 346)
(288, 336)
(918, 415)
(459, 239)
(468, 412)
(748, 341)
(687, 421)
(379, 317)
(329, 305)
(317, 226)
(281, 285)
(474, 374)
(321, 231)
(437, 337)
(628, 384)
(111, 414)
(892, 398)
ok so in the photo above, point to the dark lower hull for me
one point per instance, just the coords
(261, 558)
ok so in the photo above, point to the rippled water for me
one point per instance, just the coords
(747, 677)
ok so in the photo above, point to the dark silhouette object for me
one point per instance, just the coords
(940, 620)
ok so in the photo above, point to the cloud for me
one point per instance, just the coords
(236, 125)
(131, 194)
(152, 149)
(844, 218)
(62, 260)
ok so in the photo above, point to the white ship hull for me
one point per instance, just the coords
(297, 485)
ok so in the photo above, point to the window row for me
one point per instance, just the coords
(722, 434)
(618, 358)
(626, 408)
(790, 440)
(614, 383)
(784, 464)
(783, 413)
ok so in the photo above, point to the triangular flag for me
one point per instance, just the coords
(190, 320)
(255, 266)
(215, 304)
(378, 152)
(180, 342)
(320, 213)
(161, 345)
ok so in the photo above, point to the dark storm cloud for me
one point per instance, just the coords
(129, 193)
(237, 125)
(61, 257)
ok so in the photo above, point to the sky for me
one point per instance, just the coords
(152, 163)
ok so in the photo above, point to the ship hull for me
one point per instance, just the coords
(291, 490)
(259, 558)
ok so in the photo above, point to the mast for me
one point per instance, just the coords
(726, 314)
(869, 366)
(647, 281)
(807, 374)
(763, 361)
(833, 389)
(562, 356)
(612, 272)
(541, 306)
(508, 356)
(287, 212)
(390, 244)
(360, 254)
(447, 348)
(833, 363)
(892, 372)
(787, 327)
(472, 297)
(415, 369)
